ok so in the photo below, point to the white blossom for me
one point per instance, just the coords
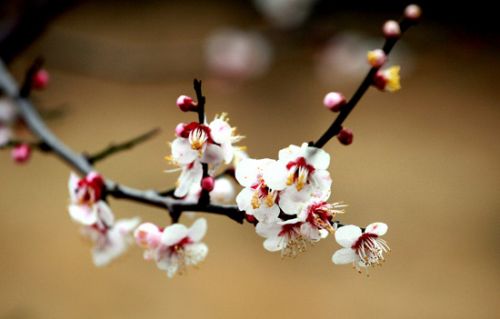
(109, 242)
(86, 206)
(258, 198)
(362, 249)
(175, 247)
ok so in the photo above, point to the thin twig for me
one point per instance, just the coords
(336, 126)
(115, 148)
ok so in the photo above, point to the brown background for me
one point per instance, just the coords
(424, 160)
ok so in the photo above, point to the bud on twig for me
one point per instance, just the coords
(334, 101)
(186, 103)
(208, 183)
(40, 79)
(391, 29)
(345, 136)
(21, 153)
(413, 12)
(376, 57)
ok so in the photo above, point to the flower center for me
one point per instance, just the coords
(197, 139)
(370, 249)
(299, 171)
(295, 243)
(262, 192)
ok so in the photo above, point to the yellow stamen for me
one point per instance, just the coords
(393, 79)
(255, 200)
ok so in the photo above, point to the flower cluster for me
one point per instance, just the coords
(110, 239)
(288, 197)
(174, 247)
(197, 144)
(288, 201)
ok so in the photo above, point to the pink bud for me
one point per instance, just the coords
(391, 29)
(334, 101)
(345, 136)
(186, 103)
(413, 12)
(21, 153)
(40, 79)
(147, 235)
(208, 183)
(179, 129)
(376, 58)
(251, 219)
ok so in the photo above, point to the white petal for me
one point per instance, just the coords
(317, 157)
(344, 256)
(274, 243)
(220, 131)
(189, 176)
(223, 191)
(228, 152)
(266, 214)
(247, 172)
(275, 175)
(244, 200)
(198, 230)
(73, 185)
(126, 226)
(378, 229)
(346, 236)
(83, 214)
(268, 229)
(289, 154)
(182, 152)
(292, 201)
(310, 232)
(213, 155)
(195, 253)
(104, 213)
(322, 184)
(173, 234)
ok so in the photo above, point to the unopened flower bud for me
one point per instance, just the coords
(251, 219)
(186, 103)
(376, 57)
(147, 235)
(40, 79)
(388, 80)
(391, 29)
(345, 136)
(179, 129)
(208, 183)
(334, 101)
(413, 12)
(95, 179)
(21, 153)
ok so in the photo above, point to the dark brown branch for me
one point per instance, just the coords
(336, 126)
(115, 148)
(200, 107)
(79, 163)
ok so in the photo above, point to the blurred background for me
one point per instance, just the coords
(424, 160)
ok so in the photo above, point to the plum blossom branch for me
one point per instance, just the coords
(82, 165)
(127, 145)
(391, 39)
